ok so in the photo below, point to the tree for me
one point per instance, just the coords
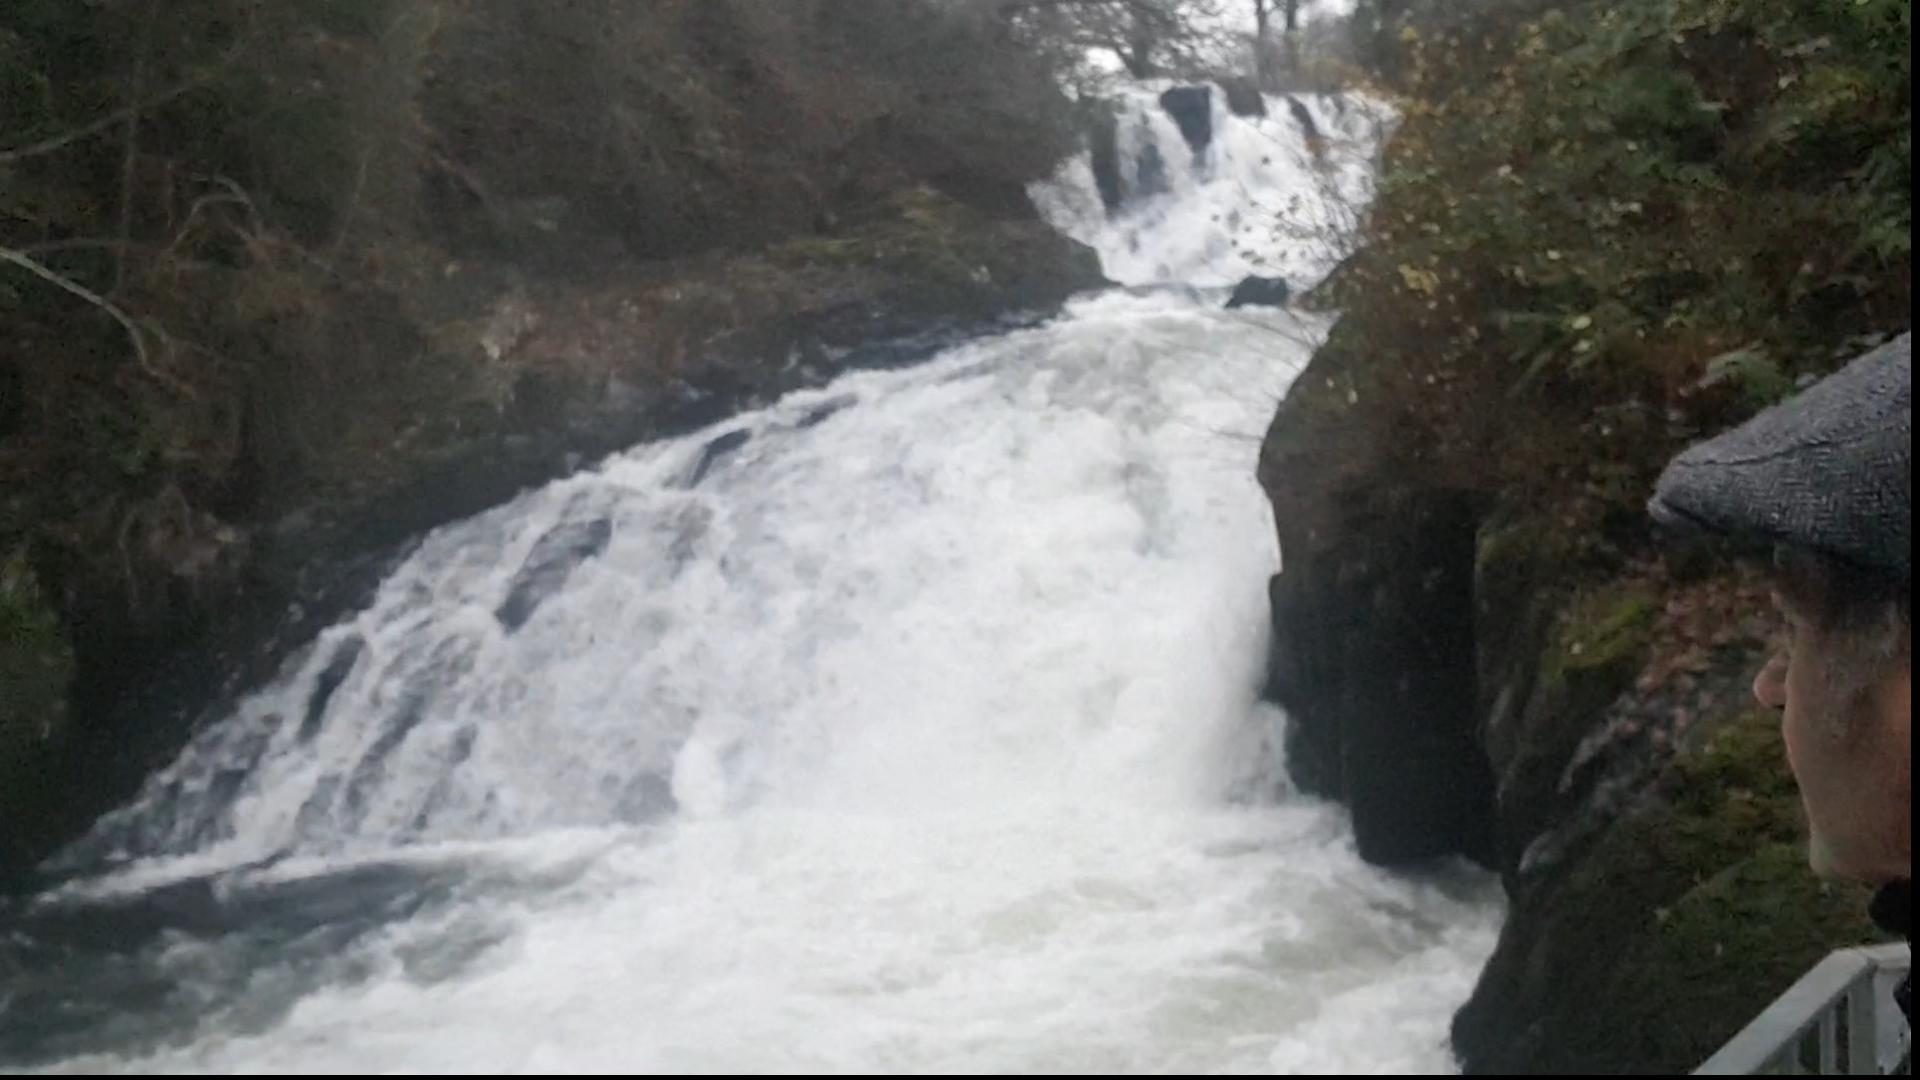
(1263, 11)
(1376, 26)
(1148, 37)
(1262, 63)
(1293, 36)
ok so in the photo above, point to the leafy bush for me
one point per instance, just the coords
(1598, 216)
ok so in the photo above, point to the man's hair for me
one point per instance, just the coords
(1864, 620)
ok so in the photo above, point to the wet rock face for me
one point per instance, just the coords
(1304, 118)
(1374, 640)
(1103, 144)
(1150, 173)
(1374, 664)
(547, 567)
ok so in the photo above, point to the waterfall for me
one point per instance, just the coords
(906, 724)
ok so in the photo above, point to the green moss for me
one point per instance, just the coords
(930, 212)
(1743, 759)
(1732, 798)
(36, 665)
(1736, 914)
(1513, 550)
(1770, 887)
(826, 250)
(1502, 549)
(928, 251)
(1603, 632)
(919, 233)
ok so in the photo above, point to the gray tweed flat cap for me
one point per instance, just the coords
(1829, 469)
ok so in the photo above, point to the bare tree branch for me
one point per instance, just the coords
(105, 123)
(131, 155)
(126, 321)
(119, 116)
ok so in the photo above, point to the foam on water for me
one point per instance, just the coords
(1278, 195)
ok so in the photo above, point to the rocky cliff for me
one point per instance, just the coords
(1471, 678)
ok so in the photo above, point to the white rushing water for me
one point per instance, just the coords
(907, 725)
(1278, 195)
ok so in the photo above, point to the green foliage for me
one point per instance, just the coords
(1589, 203)
(1754, 374)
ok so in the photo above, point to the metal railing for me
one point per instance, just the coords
(1839, 1019)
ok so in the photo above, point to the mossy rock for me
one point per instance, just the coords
(1738, 915)
(927, 249)
(1519, 585)
(1674, 930)
(1604, 637)
(1540, 703)
(826, 251)
(1515, 548)
(912, 225)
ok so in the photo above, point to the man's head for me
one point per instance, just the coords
(1843, 684)
(1826, 478)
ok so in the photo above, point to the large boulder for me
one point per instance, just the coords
(1257, 291)
(1192, 109)
(1150, 173)
(1243, 96)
